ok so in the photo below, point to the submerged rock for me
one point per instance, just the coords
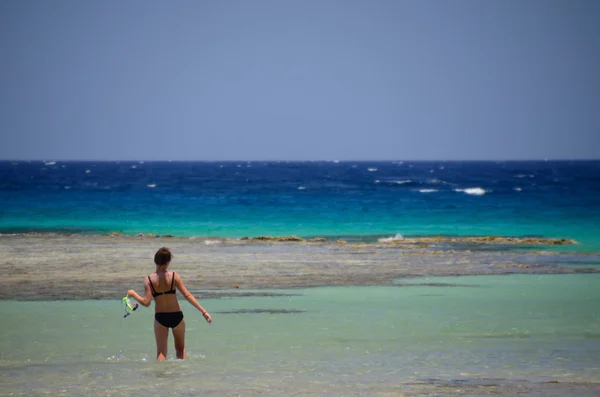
(114, 234)
(146, 235)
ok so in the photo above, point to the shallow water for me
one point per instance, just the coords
(427, 336)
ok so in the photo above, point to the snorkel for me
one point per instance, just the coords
(129, 308)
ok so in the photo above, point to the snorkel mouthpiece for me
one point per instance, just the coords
(129, 308)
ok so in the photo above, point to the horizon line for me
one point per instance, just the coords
(299, 161)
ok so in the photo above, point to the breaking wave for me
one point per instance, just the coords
(393, 238)
(475, 191)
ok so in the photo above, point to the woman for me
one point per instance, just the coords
(161, 285)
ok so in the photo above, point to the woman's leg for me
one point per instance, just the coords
(179, 336)
(162, 335)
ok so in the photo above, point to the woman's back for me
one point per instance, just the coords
(164, 289)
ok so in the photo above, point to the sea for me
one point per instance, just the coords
(518, 334)
(358, 200)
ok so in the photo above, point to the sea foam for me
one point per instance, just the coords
(475, 191)
(395, 182)
(393, 238)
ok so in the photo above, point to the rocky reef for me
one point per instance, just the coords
(278, 238)
(482, 240)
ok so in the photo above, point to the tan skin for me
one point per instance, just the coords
(161, 280)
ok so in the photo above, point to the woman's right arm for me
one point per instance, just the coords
(190, 298)
(146, 299)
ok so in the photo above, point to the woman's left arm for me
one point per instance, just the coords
(146, 299)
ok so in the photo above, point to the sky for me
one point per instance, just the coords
(299, 80)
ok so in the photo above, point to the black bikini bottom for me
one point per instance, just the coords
(170, 319)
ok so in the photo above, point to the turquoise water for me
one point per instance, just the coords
(363, 200)
(342, 341)
(321, 341)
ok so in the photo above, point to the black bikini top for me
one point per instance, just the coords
(171, 291)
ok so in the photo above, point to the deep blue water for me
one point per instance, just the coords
(360, 199)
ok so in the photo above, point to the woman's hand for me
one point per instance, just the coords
(207, 317)
(130, 293)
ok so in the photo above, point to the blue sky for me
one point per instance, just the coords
(299, 80)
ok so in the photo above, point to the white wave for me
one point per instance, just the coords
(427, 190)
(151, 185)
(518, 189)
(50, 163)
(437, 181)
(399, 182)
(474, 191)
(67, 187)
(87, 171)
(134, 166)
(393, 238)
(212, 242)
(301, 188)
(336, 161)
(372, 169)
(354, 166)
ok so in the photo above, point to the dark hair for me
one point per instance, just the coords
(162, 256)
